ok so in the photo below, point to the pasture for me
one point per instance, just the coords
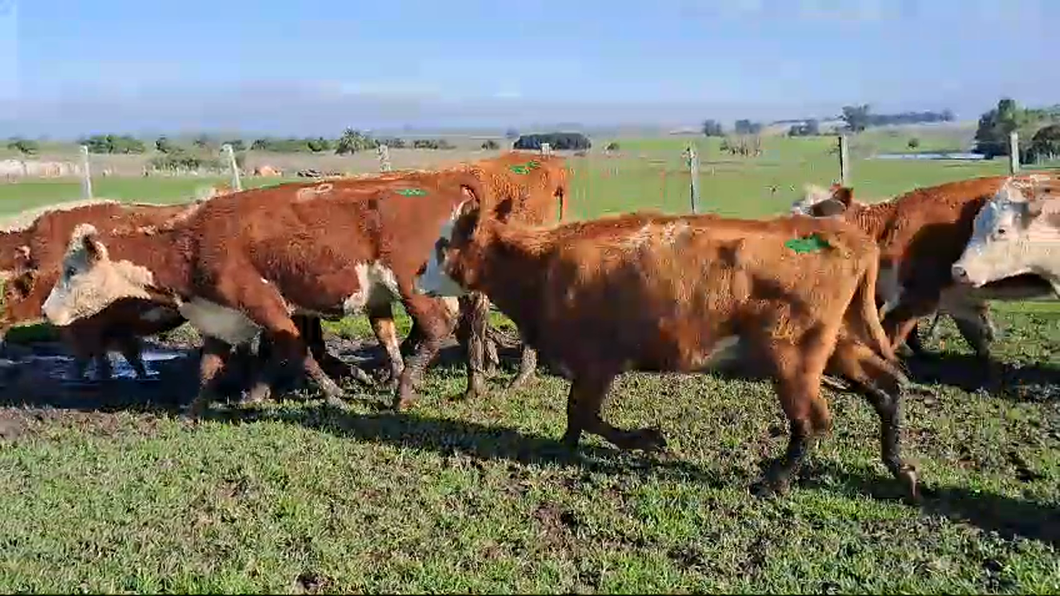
(111, 490)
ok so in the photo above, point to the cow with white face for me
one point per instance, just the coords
(1013, 234)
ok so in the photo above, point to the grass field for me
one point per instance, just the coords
(476, 496)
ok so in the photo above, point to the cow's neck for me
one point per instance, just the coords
(872, 218)
(1041, 252)
(508, 263)
(165, 254)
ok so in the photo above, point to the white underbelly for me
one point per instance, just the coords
(226, 324)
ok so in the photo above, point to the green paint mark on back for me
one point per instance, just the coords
(525, 168)
(810, 243)
(412, 192)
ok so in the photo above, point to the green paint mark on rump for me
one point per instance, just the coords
(810, 243)
(412, 192)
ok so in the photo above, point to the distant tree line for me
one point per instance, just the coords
(1038, 130)
(560, 141)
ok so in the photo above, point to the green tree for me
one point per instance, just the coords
(1046, 143)
(857, 118)
(164, 145)
(353, 141)
(913, 143)
(712, 128)
(26, 147)
(237, 145)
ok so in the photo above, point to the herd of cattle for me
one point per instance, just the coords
(828, 293)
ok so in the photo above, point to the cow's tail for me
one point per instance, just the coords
(867, 312)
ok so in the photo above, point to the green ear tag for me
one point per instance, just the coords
(812, 243)
(412, 192)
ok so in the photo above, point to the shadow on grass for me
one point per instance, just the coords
(969, 373)
(1008, 516)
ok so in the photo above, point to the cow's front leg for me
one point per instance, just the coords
(433, 317)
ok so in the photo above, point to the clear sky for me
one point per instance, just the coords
(313, 65)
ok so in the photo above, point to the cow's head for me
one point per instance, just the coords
(823, 202)
(90, 281)
(446, 273)
(1011, 235)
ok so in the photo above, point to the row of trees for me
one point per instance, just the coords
(856, 118)
(1038, 130)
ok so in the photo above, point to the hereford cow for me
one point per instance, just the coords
(30, 254)
(246, 262)
(920, 234)
(1014, 234)
(644, 291)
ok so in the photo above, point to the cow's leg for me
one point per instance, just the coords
(798, 371)
(584, 402)
(471, 332)
(132, 350)
(264, 305)
(527, 367)
(381, 318)
(881, 384)
(104, 371)
(434, 318)
(312, 329)
(211, 362)
(903, 318)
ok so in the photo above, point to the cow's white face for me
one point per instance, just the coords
(435, 280)
(89, 281)
(1010, 236)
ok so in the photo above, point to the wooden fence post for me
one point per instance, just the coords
(384, 158)
(86, 175)
(546, 149)
(844, 161)
(237, 184)
(693, 167)
(1013, 152)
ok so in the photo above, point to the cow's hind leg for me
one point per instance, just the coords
(584, 402)
(381, 317)
(132, 350)
(434, 319)
(266, 307)
(882, 385)
(527, 368)
(471, 333)
(214, 352)
(797, 380)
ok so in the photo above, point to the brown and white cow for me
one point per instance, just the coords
(920, 234)
(1017, 232)
(30, 256)
(644, 291)
(248, 261)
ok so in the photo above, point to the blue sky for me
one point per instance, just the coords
(296, 66)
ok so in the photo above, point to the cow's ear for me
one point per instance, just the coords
(94, 249)
(829, 208)
(843, 194)
(1047, 207)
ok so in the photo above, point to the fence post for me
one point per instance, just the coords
(844, 161)
(86, 175)
(693, 167)
(237, 185)
(546, 149)
(384, 158)
(1013, 152)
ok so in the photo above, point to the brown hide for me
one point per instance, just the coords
(651, 292)
(300, 246)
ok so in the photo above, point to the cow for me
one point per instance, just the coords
(645, 291)
(248, 261)
(525, 187)
(1016, 232)
(30, 254)
(920, 234)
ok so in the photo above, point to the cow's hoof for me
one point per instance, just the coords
(334, 401)
(519, 381)
(910, 480)
(650, 439)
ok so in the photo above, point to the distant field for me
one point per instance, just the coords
(458, 496)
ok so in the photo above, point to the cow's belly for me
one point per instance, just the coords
(226, 324)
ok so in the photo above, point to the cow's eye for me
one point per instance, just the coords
(70, 272)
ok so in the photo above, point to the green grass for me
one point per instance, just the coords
(475, 496)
